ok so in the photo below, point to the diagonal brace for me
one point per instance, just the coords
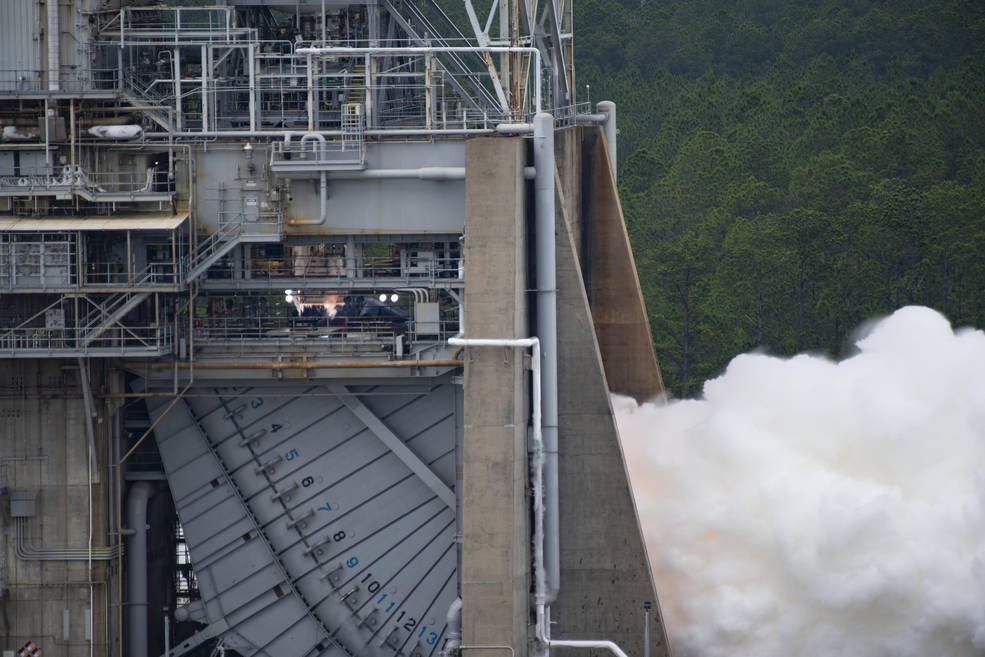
(393, 442)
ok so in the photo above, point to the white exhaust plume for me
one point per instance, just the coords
(811, 508)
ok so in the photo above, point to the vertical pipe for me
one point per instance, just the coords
(205, 88)
(71, 140)
(428, 92)
(646, 629)
(368, 62)
(47, 137)
(547, 332)
(311, 101)
(54, 54)
(137, 499)
(176, 65)
(253, 96)
(608, 108)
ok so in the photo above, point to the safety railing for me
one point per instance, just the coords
(24, 81)
(321, 330)
(147, 340)
(172, 25)
(109, 274)
(366, 269)
(35, 180)
(318, 154)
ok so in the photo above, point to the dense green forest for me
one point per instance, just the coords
(790, 169)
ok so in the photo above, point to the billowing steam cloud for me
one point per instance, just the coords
(812, 508)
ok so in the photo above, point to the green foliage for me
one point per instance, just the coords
(789, 170)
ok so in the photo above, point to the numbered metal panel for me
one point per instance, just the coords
(320, 518)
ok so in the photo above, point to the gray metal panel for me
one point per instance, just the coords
(19, 49)
(354, 206)
(282, 489)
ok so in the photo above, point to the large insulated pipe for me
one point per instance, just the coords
(453, 621)
(54, 58)
(323, 187)
(547, 332)
(137, 499)
(608, 108)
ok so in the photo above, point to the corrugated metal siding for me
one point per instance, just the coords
(19, 51)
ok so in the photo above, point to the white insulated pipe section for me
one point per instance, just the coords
(453, 621)
(546, 286)
(430, 50)
(589, 643)
(54, 53)
(537, 476)
(137, 499)
(608, 108)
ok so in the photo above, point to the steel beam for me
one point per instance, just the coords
(394, 444)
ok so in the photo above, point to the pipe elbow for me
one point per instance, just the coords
(137, 498)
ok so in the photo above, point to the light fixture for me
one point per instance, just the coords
(289, 296)
(394, 297)
(382, 298)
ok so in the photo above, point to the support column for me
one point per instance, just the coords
(495, 574)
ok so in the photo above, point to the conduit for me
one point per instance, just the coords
(28, 552)
(137, 498)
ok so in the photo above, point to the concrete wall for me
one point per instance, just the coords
(43, 447)
(495, 575)
(611, 280)
(605, 572)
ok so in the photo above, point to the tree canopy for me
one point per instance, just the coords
(789, 170)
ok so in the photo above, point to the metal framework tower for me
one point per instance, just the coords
(352, 279)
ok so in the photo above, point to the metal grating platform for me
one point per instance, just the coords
(320, 518)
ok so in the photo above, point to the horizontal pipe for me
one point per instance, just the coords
(573, 643)
(298, 364)
(515, 128)
(134, 395)
(26, 552)
(601, 117)
(401, 132)
(424, 173)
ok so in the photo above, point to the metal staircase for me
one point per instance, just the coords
(213, 248)
(104, 315)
